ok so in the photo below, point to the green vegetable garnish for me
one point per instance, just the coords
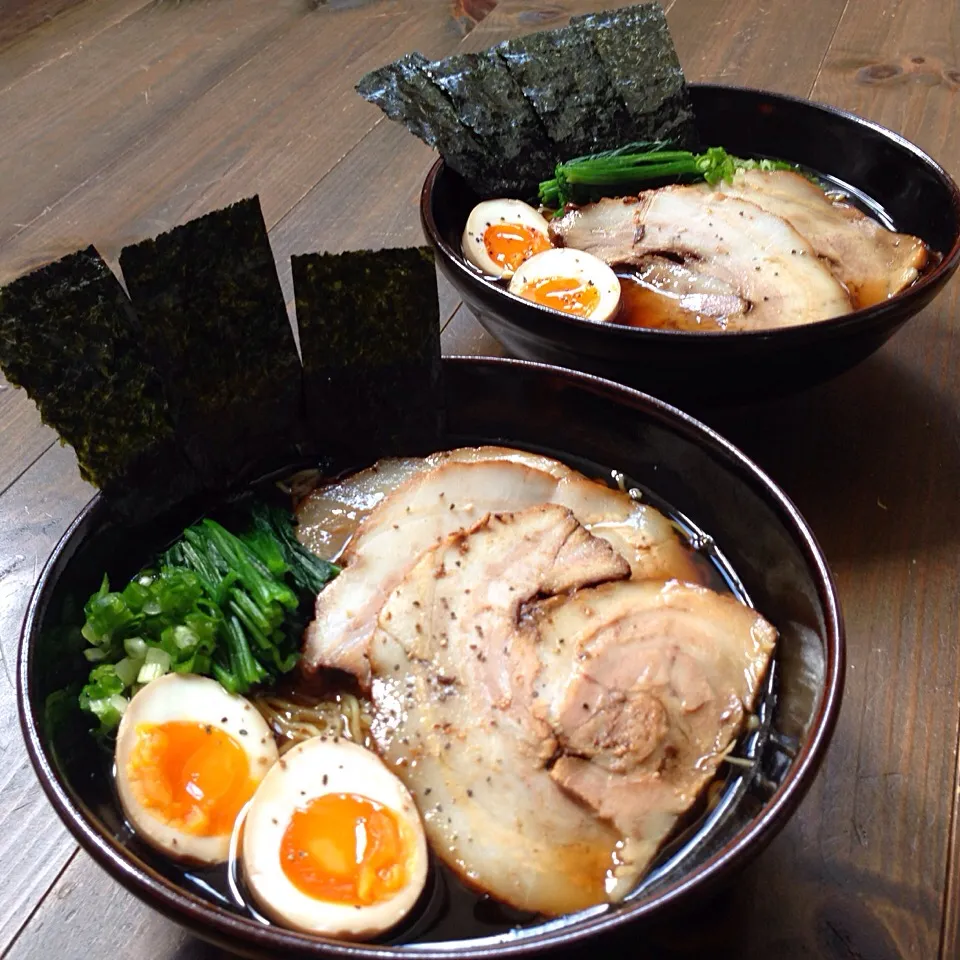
(638, 165)
(215, 603)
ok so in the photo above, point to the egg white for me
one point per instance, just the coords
(567, 263)
(189, 699)
(489, 212)
(312, 769)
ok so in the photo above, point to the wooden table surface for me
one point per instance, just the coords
(122, 118)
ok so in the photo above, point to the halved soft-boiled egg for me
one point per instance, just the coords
(333, 842)
(189, 757)
(569, 280)
(502, 234)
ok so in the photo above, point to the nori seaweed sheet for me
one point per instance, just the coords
(635, 46)
(491, 103)
(370, 336)
(69, 338)
(605, 80)
(213, 319)
(565, 80)
(404, 91)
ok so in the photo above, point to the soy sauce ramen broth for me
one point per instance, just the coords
(644, 305)
(448, 909)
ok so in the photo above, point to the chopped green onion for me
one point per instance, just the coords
(638, 166)
(127, 670)
(155, 666)
(215, 603)
(135, 647)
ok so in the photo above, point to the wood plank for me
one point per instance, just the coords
(21, 433)
(371, 199)
(60, 36)
(754, 44)
(114, 922)
(130, 84)
(34, 846)
(516, 18)
(19, 17)
(464, 337)
(207, 121)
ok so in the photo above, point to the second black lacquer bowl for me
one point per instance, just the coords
(711, 488)
(892, 178)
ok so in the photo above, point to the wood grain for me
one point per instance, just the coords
(777, 46)
(20, 432)
(18, 17)
(155, 68)
(123, 117)
(514, 18)
(464, 337)
(33, 844)
(129, 929)
(370, 198)
(57, 38)
(202, 108)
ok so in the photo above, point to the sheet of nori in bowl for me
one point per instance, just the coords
(214, 321)
(404, 91)
(635, 46)
(491, 103)
(565, 81)
(69, 337)
(369, 328)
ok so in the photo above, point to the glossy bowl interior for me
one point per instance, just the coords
(887, 175)
(588, 421)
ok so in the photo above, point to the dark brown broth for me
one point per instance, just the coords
(641, 305)
(448, 909)
(645, 307)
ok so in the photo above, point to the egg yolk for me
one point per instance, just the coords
(345, 848)
(563, 293)
(192, 776)
(509, 244)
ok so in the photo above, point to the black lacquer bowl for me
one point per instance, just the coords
(740, 515)
(886, 174)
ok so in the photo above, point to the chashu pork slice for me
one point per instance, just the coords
(731, 243)
(412, 519)
(646, 686)
(454, 664)
(328, 517)
(872, 262)
(455, 495)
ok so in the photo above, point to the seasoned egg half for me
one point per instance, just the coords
(502, 234)
(333, 843)
(189, 756)
(569, 280)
